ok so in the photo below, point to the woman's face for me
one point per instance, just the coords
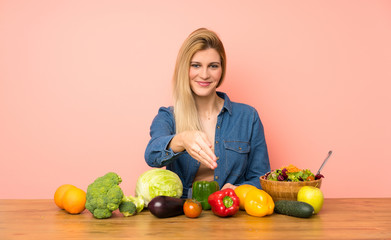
(205, 72)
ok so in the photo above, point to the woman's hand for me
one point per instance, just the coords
(196, 143)
(228, 185)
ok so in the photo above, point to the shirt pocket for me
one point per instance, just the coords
(236, 155)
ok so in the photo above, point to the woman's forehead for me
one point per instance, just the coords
(209, 54)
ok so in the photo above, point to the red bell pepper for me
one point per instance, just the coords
(224, 203)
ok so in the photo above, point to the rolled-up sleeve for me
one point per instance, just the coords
(157, 153)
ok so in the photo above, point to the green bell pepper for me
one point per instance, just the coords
(202, 190)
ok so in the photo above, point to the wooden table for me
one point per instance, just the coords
(368, 218)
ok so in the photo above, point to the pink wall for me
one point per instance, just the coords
(80, 82)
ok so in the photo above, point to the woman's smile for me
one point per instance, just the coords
(204, 84)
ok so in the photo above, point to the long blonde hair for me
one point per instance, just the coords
(185, 110)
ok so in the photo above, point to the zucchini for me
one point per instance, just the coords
(294, 208)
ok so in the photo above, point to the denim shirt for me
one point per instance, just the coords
(240, 147)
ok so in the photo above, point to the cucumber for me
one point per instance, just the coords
(294, 208)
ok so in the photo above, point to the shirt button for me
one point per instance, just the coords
(166, 154)
(240, 148)
(218, 126)
(216, 177)
(217, 141)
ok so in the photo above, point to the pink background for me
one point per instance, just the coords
(80, 82)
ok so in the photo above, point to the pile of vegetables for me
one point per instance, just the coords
(104, 195)
(160, 190)
(292, 174)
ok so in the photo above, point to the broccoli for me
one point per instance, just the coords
(104, 195)
(127, 207)
(137, 201)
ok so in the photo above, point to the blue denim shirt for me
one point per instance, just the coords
(240, 147)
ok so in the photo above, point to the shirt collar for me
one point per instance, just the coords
(227, 102)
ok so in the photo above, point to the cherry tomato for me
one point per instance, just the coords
(192, 208)
(310, 178)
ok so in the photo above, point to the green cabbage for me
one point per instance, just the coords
(158, 182)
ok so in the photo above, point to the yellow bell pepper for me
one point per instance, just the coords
(258, 203)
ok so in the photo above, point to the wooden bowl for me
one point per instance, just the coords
(281, 190)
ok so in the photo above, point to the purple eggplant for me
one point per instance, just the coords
(164, 206)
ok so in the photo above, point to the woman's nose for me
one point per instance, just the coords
(204, 73)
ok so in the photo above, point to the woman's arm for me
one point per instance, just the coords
(165, 145)
(162, 130)
(196, 143)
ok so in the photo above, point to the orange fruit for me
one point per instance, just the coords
(241, 191)
(59, 194)
(74, 200)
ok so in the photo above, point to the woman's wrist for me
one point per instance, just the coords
(176, 143)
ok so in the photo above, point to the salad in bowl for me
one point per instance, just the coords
(291, 173)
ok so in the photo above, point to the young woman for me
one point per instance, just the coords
(205, 136)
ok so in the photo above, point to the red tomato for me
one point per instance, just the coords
(192, 208)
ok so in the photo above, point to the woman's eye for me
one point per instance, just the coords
(194, 65)
(214, 66)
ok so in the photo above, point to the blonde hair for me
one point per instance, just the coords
(185, 110)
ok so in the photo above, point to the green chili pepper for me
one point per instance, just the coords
(202, 190)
